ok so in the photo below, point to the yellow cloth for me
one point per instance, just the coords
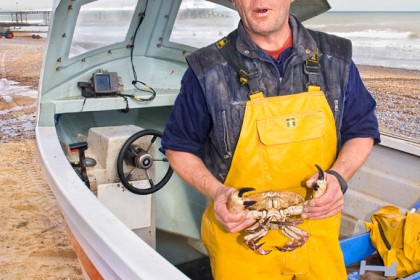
(400, 238)
(281, 139)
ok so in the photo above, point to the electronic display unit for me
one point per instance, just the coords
(105, 82)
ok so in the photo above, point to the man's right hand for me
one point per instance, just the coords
(193, 171)
(231, 222)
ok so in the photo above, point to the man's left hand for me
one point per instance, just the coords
(327, 205)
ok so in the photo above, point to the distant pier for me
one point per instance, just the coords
(18, 19)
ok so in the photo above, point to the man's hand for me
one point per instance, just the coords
(193, 171)
(350, 158)
(231, 222)
(328, 204)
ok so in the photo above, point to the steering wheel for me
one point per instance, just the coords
(140, 158)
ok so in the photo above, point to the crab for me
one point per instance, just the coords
(274, 210)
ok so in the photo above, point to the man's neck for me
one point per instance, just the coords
(276, 53)
(273, 42)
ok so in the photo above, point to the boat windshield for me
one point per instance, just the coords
(101, 23)
(200, 23)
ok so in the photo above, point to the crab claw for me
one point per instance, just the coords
(236, 203)
(320, 185)
(241, 191)
(321, 177)
(249, 203)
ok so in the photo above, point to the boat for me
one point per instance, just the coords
(111, 73)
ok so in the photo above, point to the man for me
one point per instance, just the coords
(267, 132)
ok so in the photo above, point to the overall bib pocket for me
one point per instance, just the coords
(288, 143)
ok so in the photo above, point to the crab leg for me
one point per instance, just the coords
(288, 223)
(292, 211)
(298, 236)
(255, 234)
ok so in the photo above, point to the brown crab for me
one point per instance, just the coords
(274, 210)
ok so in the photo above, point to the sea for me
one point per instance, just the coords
(389, 39)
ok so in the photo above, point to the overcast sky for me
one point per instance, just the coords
(375, 5)
(337, 5)
(7, 5)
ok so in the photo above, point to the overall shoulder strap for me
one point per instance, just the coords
(248, 77)
(251, 77)
(311, 69)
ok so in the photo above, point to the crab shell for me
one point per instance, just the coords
(274, 199)
(290, 202)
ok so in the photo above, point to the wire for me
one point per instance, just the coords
(127, 108)
(83, 105)
(136, 97)
(146, 88)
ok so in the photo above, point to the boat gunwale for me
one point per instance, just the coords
(113, 248)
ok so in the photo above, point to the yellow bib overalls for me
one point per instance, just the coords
(281, 139)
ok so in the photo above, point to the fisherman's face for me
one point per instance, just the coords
(263, 17)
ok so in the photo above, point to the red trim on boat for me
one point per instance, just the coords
(88, 266)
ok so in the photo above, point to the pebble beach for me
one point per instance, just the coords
(33, 240)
